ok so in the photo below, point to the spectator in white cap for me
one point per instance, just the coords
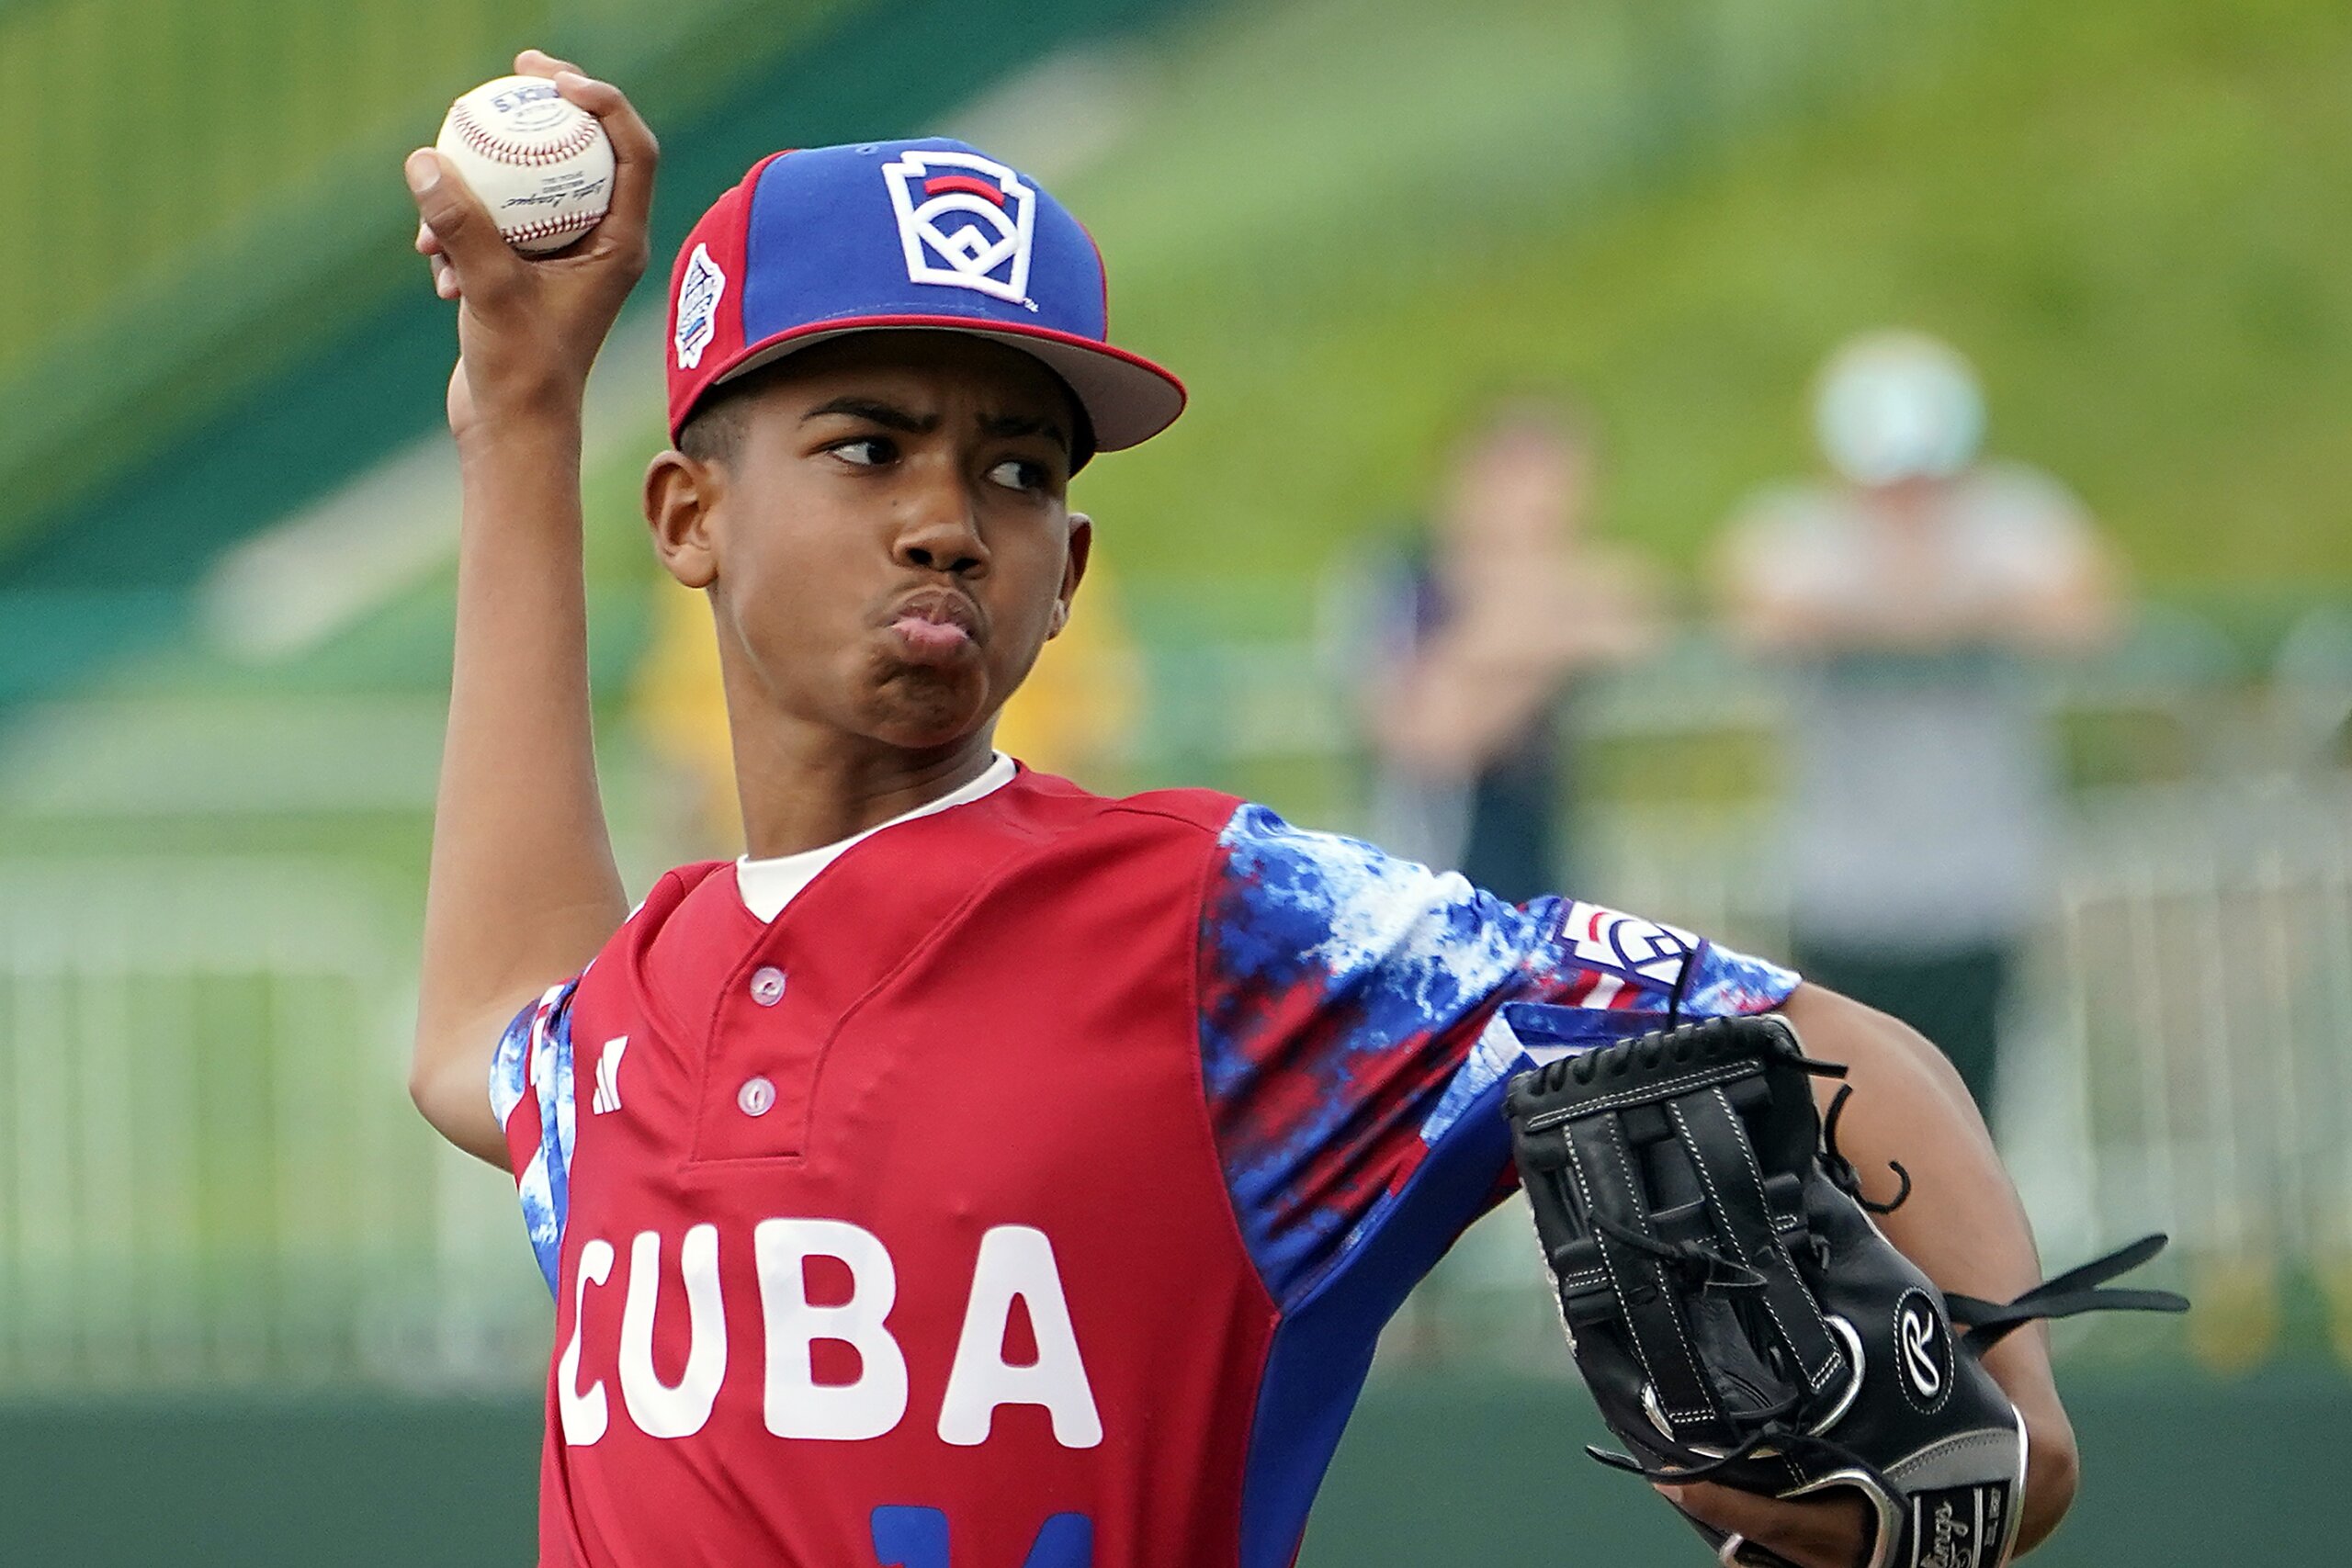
(1908, 596)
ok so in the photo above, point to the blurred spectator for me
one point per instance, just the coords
(1486, 626)
(1909, 594)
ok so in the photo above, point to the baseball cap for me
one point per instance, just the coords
(930, 235)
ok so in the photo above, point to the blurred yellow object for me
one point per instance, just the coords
(2236, 1324)
(1076, 713)
(680, 706)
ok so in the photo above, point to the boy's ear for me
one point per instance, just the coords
(1082, 545)
(679, 494)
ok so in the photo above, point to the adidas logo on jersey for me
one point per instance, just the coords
(609, 1076)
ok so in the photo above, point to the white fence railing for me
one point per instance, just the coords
(209, 1172)
(208, 1169)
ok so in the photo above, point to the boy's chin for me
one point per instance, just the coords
(919, 714)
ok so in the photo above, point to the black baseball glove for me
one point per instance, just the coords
(1738, 1316)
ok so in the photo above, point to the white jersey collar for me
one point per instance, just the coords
(767, 886)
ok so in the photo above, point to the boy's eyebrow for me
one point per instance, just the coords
(1008, 424)
(890, 416)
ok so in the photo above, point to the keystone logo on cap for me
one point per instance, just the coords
(930, 235)
(974, 217)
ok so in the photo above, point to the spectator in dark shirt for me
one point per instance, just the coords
(1485, 629)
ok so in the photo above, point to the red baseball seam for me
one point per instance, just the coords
(478, 137)
(541, 228)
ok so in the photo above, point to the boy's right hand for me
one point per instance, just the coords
(529, 329)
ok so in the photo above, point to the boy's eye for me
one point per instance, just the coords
(1016, 473)
(866, 451)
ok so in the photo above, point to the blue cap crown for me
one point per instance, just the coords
(922, 234)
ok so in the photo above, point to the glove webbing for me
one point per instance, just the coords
(1638, 1258)
(1710, 1130)
(1603, 1168)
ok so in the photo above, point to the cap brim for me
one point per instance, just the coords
(1128, 399)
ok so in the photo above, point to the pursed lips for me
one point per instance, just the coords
(935, 622)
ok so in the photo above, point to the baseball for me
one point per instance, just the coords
(539, 161)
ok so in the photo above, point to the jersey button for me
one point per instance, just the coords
(754, 1098)
(767, 984)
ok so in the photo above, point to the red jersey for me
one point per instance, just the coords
(1030, 1193)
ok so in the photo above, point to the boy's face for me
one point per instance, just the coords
(889, 543)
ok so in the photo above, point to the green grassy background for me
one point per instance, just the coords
(206, 192)
(1343, 222)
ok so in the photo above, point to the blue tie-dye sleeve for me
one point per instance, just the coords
(1360, 1015)
(533, 1063)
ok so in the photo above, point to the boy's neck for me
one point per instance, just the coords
(803, 795)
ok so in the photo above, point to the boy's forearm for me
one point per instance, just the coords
(1962, 1224)
(523, 887)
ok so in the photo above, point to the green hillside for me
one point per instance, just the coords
(1342, 220)
(210, 189)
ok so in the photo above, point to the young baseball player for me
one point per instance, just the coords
(981, 1172)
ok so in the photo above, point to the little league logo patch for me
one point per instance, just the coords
(698, 295)
(964, 220)
(1627, 945)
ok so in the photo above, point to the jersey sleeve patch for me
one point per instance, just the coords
(532, 1067)
(1358, 1012)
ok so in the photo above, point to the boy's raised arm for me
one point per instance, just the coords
(523, 887)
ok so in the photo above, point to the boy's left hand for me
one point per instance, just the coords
(1832, 1531)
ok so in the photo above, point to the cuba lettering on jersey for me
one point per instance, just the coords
(1031, 1191)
